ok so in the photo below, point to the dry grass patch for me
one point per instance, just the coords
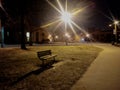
(20, 64)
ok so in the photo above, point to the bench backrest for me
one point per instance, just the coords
(43, 53)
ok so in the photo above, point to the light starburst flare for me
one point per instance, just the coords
(66, 16)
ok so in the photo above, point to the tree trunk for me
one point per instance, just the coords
(23, 46)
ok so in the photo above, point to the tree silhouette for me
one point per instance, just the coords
(22, 23)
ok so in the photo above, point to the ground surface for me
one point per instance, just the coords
(20, 69)
(104, 72)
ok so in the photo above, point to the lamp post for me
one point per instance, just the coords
(115, 30)
(114, 38)
(67, 36)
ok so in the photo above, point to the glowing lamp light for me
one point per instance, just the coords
(28, 34)
(56, 37)
(87, 35)
(83, 39)
(66, 17)
(116, 22)
(67, 35)
(50, 37)
(110, 25)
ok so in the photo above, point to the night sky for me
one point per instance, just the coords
(41, 12)
(109, 6)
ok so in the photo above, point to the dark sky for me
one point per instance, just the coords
(105, 9)
(108, 6)
(41, 12)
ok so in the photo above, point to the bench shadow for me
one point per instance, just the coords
(35, 72)
(117, 45)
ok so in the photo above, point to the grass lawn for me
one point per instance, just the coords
(20, 69)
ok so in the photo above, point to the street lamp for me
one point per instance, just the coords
(66, 17)
(115, 29)
(114, 38)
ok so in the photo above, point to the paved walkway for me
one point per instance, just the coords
(104, 72)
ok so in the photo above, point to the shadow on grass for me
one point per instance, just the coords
(35, 72)
(117, 45)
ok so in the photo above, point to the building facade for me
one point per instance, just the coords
(40, 35)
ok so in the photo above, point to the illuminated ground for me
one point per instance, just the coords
(104, 73)
(20, 69)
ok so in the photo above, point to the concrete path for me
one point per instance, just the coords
(104, 72)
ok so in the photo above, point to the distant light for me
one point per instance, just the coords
(28, 34)
(50, 40)
(110, 25)
(8, 34)
(67, 35)
(83, 39)
(88, 35)
(49, 36)
(116, 22)
(56, 37)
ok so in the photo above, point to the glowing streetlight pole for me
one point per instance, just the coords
(115, 29)
(67, 36)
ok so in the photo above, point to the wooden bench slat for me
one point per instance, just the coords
(48, 56)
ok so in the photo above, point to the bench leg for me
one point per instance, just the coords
(43, 63)
(54, 59)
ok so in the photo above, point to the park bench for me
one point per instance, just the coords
(46, 57)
